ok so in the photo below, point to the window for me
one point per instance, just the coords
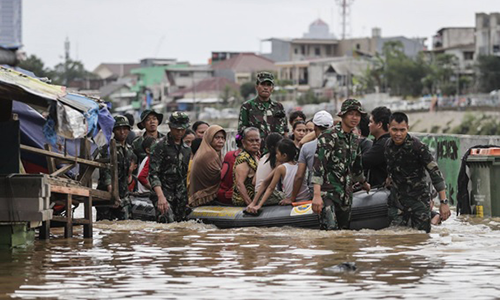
(317, 51)
(303, 49)
(329, 50)
(468, 55)
(358, 46)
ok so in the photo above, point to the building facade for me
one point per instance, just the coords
(11, 23)
(487, 34)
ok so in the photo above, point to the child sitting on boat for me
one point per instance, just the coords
(285, 155)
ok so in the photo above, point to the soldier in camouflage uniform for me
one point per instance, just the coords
(150, 120)
(124, 153)
(262, 112)
(168, 171)
(407, 160)
(337, 165)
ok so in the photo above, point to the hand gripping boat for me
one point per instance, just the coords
(368, 211)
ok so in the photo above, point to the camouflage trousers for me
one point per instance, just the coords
(334, 215)
(177, 200)
(410, 212)
(275, 198)
(122, 212)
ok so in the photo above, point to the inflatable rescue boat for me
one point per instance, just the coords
(369, 211)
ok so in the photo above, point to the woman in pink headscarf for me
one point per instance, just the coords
(207, 165)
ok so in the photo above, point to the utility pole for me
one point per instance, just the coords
(66, 60)
(345, 14)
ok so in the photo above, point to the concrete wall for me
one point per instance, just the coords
(448, 150)
(457, 36)
(412, 47)
(280, 50)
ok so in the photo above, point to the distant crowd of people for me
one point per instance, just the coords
(320, 159)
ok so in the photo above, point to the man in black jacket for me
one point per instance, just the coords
(373, 160)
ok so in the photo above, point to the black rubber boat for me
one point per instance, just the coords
(369, 211)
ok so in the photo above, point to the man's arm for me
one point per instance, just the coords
(428, 162)
(311, 136)
(243, 118)
(437, 179)
(321, 158)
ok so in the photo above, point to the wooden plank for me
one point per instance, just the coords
(101, 195)
(65, 157)
(78, 191)
(63, 170)
(85, 176)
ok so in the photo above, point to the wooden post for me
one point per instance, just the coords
(5, 110)
(87, 228)
(44, 231)
(68, 229)
(114, 172)
(51, 163)
(85, 154)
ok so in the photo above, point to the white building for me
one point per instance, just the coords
(11, 23)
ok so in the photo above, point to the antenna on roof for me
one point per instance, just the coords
(345, 13)
(158, 47)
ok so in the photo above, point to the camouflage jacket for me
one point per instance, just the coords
(168, 164)
(124, 156)
(406, 166)
(137, 146)
(266, 116)
(337, 163)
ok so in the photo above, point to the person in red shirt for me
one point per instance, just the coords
(143, 172)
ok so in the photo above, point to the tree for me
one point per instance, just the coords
(488, 68)
(395, 71)
(70, 70)
(34, 64)
(247, 89)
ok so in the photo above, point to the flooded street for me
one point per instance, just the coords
(133, 259)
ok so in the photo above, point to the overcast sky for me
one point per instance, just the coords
(128, 30)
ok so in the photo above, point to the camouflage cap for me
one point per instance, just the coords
(121, 121)
(265, 76)
(179, 120)
(351, 104)
(146, 113)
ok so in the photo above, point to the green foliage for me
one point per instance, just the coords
(70, 70)
(34, 64)
(247, 89)
(405, 76)
(61, 74)
(441, 74)
(488, 68)
(228, 93)
(310, 98)
(478, 124)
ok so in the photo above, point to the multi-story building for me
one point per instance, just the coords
(320, 43)
(10, 23)
(487, 33)
(457, 41)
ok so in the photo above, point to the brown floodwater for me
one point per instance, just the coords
(132, 259)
